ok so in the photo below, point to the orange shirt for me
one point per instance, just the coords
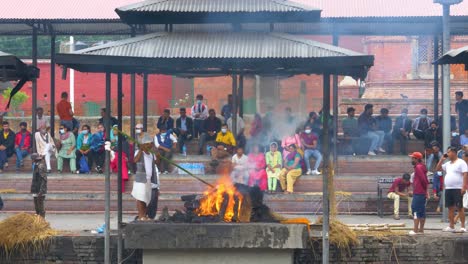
(63, 110)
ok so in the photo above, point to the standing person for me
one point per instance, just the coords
(97, 148)
(199, 115)
(274, 162)
(113, 120)
(67, 149)
(22, 144)
(165, 142)
(45, 146)
(421, 124)
(401, 130)
(83, 147)
(166, 120)
(65, 112)
(367, 129)
(292, 170)
(310, 143)
(240, 167)
(184, 129)
(420, 193)
(211, 128)
(41, 120)
(39, 184)
(226, 110)
(398, 190)
(7, 144)
(257, 174)
(461, 107)
(384, 123)
(456, 182)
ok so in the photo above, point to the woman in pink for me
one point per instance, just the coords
(257, 173)
(293, 138)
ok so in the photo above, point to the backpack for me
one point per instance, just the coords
(84, 168)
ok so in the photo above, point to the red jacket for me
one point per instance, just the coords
(27, 140)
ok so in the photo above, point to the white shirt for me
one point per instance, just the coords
(240, 123)
(454, 174)
(240, 163)
(172, 137)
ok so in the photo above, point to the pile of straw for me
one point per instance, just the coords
(7, 191)
(24, 233)
(340, 235)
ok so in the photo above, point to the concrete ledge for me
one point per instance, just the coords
(215, 236)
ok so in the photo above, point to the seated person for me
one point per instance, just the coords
(7, 144)
(240, 126)
(435, 153)
(368, 129)
(257, 173)
(384, 123)
(22, 144)
(97, 148)
(292, 138)
(462, 151)
(274, 162)
(240, 167)
(433, 133)
(350, 124)
(45, 146)
(67, 149)
(421, 124)
(399, 189)
(225, 144)
(402, 129)
(292, 170)
(83, 148)
(184, 129)
(464, 138)
(211, 127)
(310, 143)
(166, 120)
(165, 142)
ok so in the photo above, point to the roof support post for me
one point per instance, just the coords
(234, 105)
(145, 102)
(241, 95)
(436, 78)
(52, 85)
(119, 170)
(34, 87)
(132, 98)
(326, 169)
(107, 259)
(335, 106)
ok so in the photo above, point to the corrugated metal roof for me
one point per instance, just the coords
(218, 45)
(455, 56)
(216, 6)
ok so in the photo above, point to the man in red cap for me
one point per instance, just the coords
(420, 193)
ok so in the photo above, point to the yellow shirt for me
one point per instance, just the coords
(5, 134)
(227, 138)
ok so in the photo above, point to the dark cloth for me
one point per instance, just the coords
(432, 135)
(418, 206)
(212, 124)
(39, 205)
(1, 203)
(453, 197)
(188, 123)
(152, 207)
(399, 186)
(420, 181)
(384, 123)
(365, 123)
(9, 142)
(113, 121)
(462, 110)
(241, 141)
(419, 134)
(166, 123)
(99, 158)
(39, 180)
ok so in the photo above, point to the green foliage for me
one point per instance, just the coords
(17, 100)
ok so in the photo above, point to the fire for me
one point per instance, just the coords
(224, 201)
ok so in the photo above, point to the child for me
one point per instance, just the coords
(273, 162)
(39, 183)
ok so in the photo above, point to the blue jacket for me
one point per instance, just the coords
(97, 142)
(79, 140)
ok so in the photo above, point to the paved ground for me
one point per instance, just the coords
(84, 222)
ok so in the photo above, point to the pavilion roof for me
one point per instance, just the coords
(218, 53)
(455, 56)
(12, 68)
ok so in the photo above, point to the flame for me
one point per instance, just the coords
(226, 194)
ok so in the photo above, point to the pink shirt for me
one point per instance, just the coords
(288, 140)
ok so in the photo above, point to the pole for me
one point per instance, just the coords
(119, 173)
(132, 98)
(234, 105)
(34, 87)
(145, 102)
(52, 85)
(445, 89)
(326, 169)
(335, 107)
(107, 175)
(436, 78)
(241, 96)
(72, 77)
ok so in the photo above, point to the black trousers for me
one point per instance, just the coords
(99, 158)
(39, 205)
(152, 207)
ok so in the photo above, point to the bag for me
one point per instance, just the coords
(84, 168)
(465, 200)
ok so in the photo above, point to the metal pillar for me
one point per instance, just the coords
(240, 96)
(234, 105)
(52, 85)
(107, 259)
(445, 89)
(145, 102)
(335, 108)
(326, 169)
(132, 98)
(119, 171)
(436, 78)
(34, 88)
